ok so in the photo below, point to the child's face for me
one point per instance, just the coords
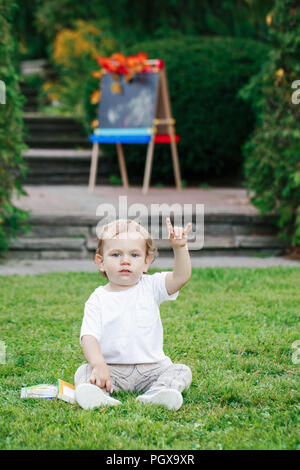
(124, 258)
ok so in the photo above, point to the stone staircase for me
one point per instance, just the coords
(74, 237)
(31, 95)
(60, 152)
(54, 132)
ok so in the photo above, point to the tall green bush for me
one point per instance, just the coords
(30, 43)
(12, 167)
(272, 155)
(204, 76)
(132, 21)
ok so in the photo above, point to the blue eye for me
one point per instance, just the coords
(133, 254)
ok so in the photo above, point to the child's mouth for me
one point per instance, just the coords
(125, 271)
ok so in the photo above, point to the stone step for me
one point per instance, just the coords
(81, 248)
(31, 102)
(75, 176)
(73, 237)
(47, 254)
(216, 243)
(29, 107)
(36, 66)
(222, 219)
(59, 141)
(37, 128)
(54, 243)
(30, 93)
(236, 222)
(25, 89)
(44, 119)
(56, 138)
(54, 132)
(65, 166)
(54, 127)
(60, 154)
(32, 99)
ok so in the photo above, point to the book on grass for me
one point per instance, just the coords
(39, 391)
(66, 391)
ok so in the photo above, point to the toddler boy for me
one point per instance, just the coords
(121, 333)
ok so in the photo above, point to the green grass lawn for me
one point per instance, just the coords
(233, 327)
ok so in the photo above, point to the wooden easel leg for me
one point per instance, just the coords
(175, 162)
(168, 113)
(93, 168)
(148, 166)
(122, 165)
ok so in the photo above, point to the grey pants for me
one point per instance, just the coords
(142, 377)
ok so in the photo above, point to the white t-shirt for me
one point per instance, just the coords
(127, 323)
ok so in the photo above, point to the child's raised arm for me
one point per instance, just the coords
(182, 263)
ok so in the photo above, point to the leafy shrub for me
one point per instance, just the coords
(12, 167)
(131, 21)
(272, 154)
(33, 80)
(74, 53)
(29, 43)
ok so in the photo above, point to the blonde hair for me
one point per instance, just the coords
(112, 229)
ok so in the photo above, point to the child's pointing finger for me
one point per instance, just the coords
(187, 228)
(169, 224)
(170, 228)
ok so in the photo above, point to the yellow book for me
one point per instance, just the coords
(66, 391)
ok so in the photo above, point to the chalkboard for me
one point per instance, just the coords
(134, 107)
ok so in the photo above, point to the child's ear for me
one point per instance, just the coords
(99, 261)
(148, 261)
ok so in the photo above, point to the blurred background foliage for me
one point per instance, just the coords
(214, 46)
(12, 166)
(74, 59)
(129, 21)
(230, 65)
(272, 153)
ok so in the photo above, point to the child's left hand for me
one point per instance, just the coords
(177, 236)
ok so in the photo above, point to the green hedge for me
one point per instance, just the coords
(272, 154)
(130, 21)
(204, 75)
(12, 167)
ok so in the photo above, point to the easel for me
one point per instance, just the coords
(163, 119)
